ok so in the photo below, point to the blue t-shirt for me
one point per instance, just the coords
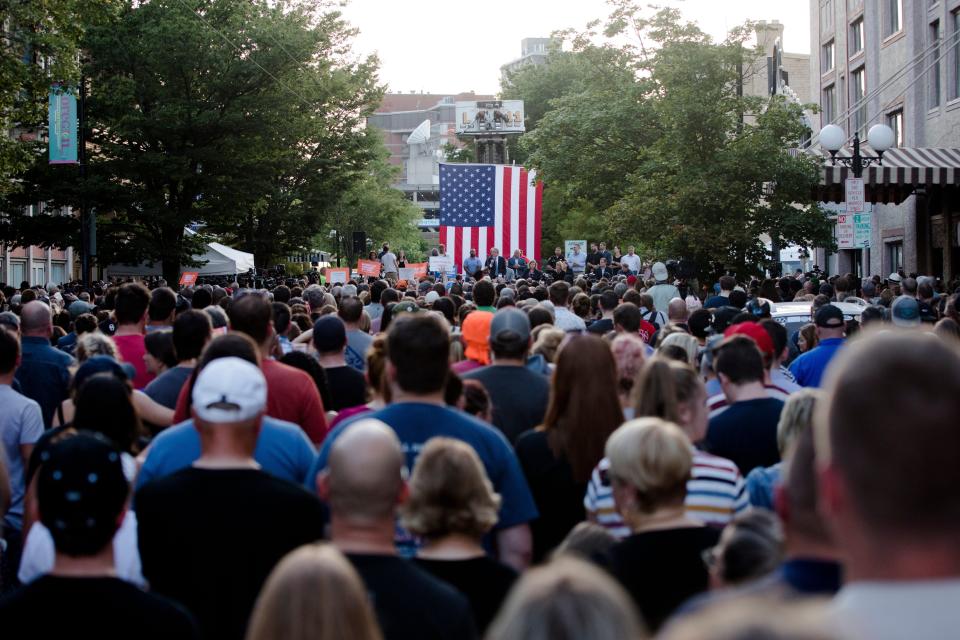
(283, 450)
(417, 422)
(761, 483)
(809, 367)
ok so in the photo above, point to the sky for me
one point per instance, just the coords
(444, 46)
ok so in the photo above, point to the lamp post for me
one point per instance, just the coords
(881, 138)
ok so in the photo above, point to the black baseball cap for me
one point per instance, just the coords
(829, 316)
(82, 491)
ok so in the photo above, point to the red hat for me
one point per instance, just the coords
(755, 332)
(631, 280)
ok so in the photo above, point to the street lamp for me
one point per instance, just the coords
(880, 137)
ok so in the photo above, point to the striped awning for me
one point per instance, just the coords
(903, 171)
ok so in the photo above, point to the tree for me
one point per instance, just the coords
(382, 212)
(660, 146)
(39, 47)
(249, 126)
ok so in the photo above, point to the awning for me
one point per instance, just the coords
(903, 171)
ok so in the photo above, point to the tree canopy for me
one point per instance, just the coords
(241, 117)
(641, 136)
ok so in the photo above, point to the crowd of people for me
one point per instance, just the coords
(607, 452)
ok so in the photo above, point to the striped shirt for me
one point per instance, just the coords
(717, 404)
(715, 493)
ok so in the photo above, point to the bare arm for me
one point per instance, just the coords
(152, 411)
(515, 546)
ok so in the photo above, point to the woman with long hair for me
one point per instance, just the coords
(451, 507)
(673, 391)
(558, 456)
(314, 593)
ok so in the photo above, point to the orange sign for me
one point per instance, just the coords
(188, 278)
(368, 268)
(419, 269)
(337, 275)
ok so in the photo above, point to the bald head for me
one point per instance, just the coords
(677, 310)
(35, 320)
(364, 472)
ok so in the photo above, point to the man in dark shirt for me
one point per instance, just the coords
(519, 395)
(42, 374)
(608, 304)
(363, 485)
(746, 432)
(348, 387)
(82, 495)
(191, 333)
(209, 535)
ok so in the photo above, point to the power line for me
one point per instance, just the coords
(249, 57)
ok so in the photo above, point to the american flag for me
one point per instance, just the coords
(483, 206)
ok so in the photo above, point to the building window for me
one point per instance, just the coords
(856, 37)
(934, 84)
(895, 256)
(829, 104)
(827, 57)
(18, 273)
(895, 122)
(894, 17)
(955, 36)
(826, 17)
(58, 272)
(858, 84)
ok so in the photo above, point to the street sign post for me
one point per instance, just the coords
(854, 195)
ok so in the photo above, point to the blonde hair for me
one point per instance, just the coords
(547, 342)
(96, 344)
(567, 599)
(686, 342)
(796, 417)
(450, 492)
(662, 386)
(314, 593)
(653, 456)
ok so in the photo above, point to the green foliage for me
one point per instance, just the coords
(382, 212)
(454, 153)
(648, 139)
(35, 32)
(243, 115)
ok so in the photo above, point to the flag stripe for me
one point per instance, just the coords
(513, 240)
(537, 217)
(457, 243)
(503, 237)
(523, 214)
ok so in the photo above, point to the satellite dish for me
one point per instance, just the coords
(421, 134)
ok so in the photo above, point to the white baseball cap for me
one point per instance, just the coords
(432, 296)
(659, 271)
(229, 390)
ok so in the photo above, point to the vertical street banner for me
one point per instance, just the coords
(62, 119)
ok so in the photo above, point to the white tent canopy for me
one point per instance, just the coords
(220, 260)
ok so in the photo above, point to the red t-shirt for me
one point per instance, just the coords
(291, 396)
(131, 350)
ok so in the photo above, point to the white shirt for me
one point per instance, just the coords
(914, 609)
(389, 262)
(568, 321)
(577, 262)
(631, 262)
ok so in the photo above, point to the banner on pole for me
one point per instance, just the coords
(62, 121)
